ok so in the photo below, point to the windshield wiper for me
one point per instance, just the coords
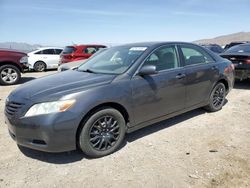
(87, 70)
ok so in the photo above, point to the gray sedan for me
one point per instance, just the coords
(118, 91)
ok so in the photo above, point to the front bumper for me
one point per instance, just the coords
(25, 66)
(50, 133)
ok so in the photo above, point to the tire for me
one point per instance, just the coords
(98, 138)
(217, 98)
(39, 66)
(9, 75)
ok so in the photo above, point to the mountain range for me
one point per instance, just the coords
(20, 46)
(225, 39)
(221, 40)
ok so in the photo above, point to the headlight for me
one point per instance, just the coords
(24, 59)
(49, 107)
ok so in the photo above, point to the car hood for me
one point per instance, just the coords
(60, 84)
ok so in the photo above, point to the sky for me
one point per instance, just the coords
(63, 22)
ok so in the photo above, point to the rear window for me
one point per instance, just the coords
(239, 49)
(68, 50)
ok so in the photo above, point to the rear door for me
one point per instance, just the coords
(51, 58)
(201, 72)
(162, 93)
(47, 56)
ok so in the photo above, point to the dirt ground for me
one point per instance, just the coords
(196, 149)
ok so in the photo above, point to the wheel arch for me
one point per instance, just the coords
(225, 82)
(11, 63)
(114, 105)
(40, 61)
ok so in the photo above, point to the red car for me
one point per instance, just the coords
(12, 63)
(78, 52)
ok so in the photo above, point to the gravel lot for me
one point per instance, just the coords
(196, 149)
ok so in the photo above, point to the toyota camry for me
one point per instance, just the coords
(120, 90)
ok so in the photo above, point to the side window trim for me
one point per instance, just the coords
(57, 49)
(168, 45)
(196, 48)
(50, 49)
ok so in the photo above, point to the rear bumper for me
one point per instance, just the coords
(242, 72)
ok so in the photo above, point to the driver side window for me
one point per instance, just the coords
(163, 58)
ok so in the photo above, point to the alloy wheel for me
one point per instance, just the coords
(104, 133)
(9, 75)
(40, 66)
(218, 96)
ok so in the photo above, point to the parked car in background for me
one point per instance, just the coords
(117, 91)
(75, 64)
(12, 64)
(214, 48)
(78, 52)
(44, 58)
(234, 44)
(240, 56)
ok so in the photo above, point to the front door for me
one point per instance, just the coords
(162, 93)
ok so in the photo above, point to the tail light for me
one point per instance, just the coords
(232, 66)
(248, 61)
(229, 68)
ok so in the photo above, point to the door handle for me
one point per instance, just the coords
(180, 76)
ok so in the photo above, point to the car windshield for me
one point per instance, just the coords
(115, 60)
(240, 49)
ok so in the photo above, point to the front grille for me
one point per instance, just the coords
(12, 107)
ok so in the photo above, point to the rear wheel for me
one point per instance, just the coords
(217, 98)
(103, 133)
(9, 75)
(39, 66)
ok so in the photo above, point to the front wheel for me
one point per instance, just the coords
(217, 98)
(9, 75)
(103, 133)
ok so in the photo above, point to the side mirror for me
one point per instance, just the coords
(148, 70)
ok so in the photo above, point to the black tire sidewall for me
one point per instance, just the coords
(12, 67)
(211, 106)
(84, 143)
(37, 63)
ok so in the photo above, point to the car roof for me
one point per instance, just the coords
(239, 42)
(244, 44)
(51, 47)
(155, 44)
(210, 45)
(83, 45)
